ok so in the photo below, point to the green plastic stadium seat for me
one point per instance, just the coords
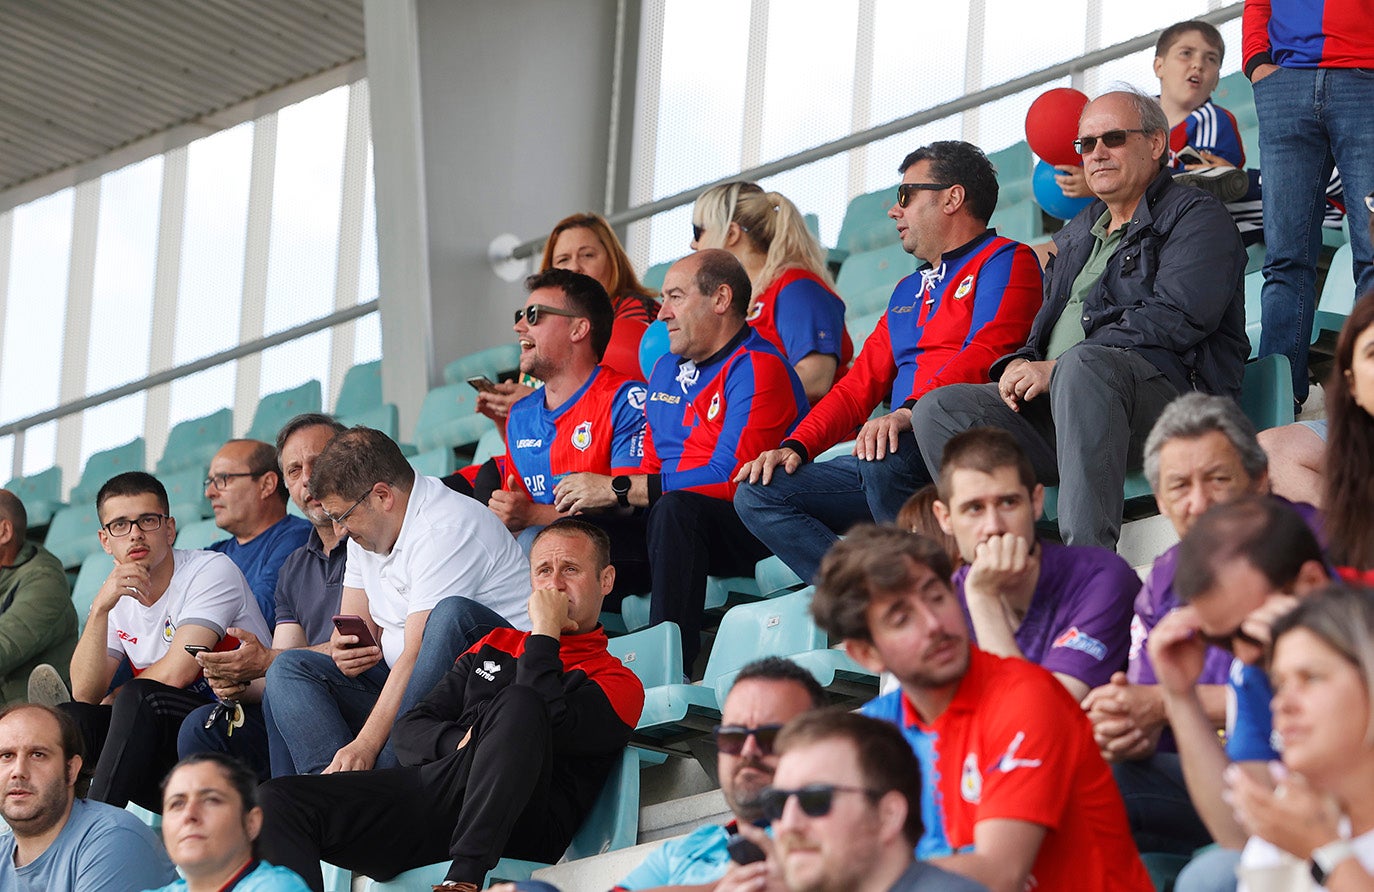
(494, 362)
(73, 533)
(654, 654)
(1020, 221)
(1254, 282)
(490, 445)
(95, 569)
(186, 495)
(275, 409)
(448, 418)
(1234, 94)
(1266, 394)
(722, 593)
(866, 279)
(1014, 165)
(1338, 295)
(383, 417)
(654, 275)
(860, 327)
(836, 672)
(192, 443)
(104, 465)
(41, 494)
(774, 576)
(866, 226)
(361, 389)
(434, 462)
(201, 534)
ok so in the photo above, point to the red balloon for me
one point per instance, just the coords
(1052, 125)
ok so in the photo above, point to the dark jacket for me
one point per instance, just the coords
(1174, 291)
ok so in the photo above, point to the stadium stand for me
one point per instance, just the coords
(41, 494)
(193, 442)
(275, 409)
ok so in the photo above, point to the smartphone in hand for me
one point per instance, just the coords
(351, 624)
(194, 649)
(482, 384)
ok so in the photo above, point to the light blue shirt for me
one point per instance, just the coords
(101, 849)
(264, 878)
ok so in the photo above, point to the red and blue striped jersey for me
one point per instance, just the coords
(707, 420)
(598, 429)
(799, 315)
(1210, 128)
(943, 325)
(1307, 34)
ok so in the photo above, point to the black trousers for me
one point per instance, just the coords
(692, 536)
(133, 742)
(489, 799)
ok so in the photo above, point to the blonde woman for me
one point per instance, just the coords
(794, 303)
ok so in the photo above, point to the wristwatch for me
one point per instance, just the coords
(1325, 858)
(620, 485)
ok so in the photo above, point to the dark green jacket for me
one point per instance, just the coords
(37, 620)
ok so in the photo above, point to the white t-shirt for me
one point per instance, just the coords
(1296, 875)
(449, 545)
(206, 590)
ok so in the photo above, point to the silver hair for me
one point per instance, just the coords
(1195, 415)
(1152, 117)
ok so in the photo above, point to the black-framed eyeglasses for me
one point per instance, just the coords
(730, 739)
(815, 799)
(534, 312)
(1369, 202)
(342, 519)
(122, 526)
(1112, 139)
(906, 190)
(219, 481)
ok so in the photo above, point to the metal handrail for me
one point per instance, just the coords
(166, 376)
(528, 248)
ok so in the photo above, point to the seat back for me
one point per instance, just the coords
(95, 569)
(653, 276)
(490, 445)
(775, 627)
(193, 442)
(41, 494)
(74, 533)
(435, 462)
(186, 495)
(1338, 294)
(613, 822)
(866, 226)
(492, 362)
(1266, 394)
(199, 535)
(361, 389)
(104, 465)
(448, 418)
(866, 279)
(383, 417)
(654, 654)
(275, 409)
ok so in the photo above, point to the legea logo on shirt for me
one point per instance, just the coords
(528, 443)
(488, 669)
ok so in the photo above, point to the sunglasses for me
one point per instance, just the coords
(697, 232)
(730, 738)
(906, 190)
(1112, 139)
(815, 799)
(534, 312)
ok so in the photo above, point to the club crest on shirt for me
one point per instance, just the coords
(636, 397)
(964, 288)
(168, 629)
(754, 312)
(714, 409)
(971, 780)
(582, 436)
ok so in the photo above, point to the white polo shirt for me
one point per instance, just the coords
(206, 590)
(449, 545)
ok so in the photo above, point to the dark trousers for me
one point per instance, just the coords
(692, 536)
(466, 806)
(1162, 816)
(248, 743)
(133, 743)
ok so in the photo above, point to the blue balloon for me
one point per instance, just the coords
(1051, 198)
(652, 346)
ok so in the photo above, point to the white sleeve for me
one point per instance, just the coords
(215, 595)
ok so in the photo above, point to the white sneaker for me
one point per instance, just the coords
(46, 686)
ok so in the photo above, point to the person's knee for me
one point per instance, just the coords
(752, 497)
(193, 737)
(295, 665)
(519, 705)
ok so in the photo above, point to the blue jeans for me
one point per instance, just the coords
(316, 710)
(1161, 815)
(1310, 119)
(1213, 870)
(799, 516)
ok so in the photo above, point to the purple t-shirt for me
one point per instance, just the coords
(1080, 614)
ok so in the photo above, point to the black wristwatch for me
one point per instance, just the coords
(620, 485)
(1326, 858)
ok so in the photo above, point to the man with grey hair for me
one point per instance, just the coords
(1201, 452)
(1144, 300)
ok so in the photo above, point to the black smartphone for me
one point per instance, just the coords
(194, 649)
(482, 384)
(350, 624)
(1190, 155)
(742, 851)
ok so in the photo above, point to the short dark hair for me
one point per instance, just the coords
(957, 162)
(571, 526)
(357, 459)
(716, 267)
(302, 421)
(132, 483)
(1170, 35)
(1264, 531)
(12, 508)
(262, 459)
(239, 775)
(783, 669)
(584, 295)
(983, 449)
(69, 736)
(867, 563)
(886, 760)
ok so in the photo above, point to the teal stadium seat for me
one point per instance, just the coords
(1234, 94)
(612, 824)
(192, 443)
(1338, 296)
(1021, 221)
(866, 226)
(74, 533)
(490, 445)
(275, 409)
(104, 465)
(774, 576)
(1014, 165)
(654, 654)
(383, 417)
(776, 627)
(434, 462)
(860, 327)
(361, 389)
(866, 279)
(186, 495)
(836, 672)
(1266, 394)
(201, 534)
(95, 569)
(41, 494)
(653, 276)
(494, 362)
(722, 593)
(1254, 282)
(449, 419)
